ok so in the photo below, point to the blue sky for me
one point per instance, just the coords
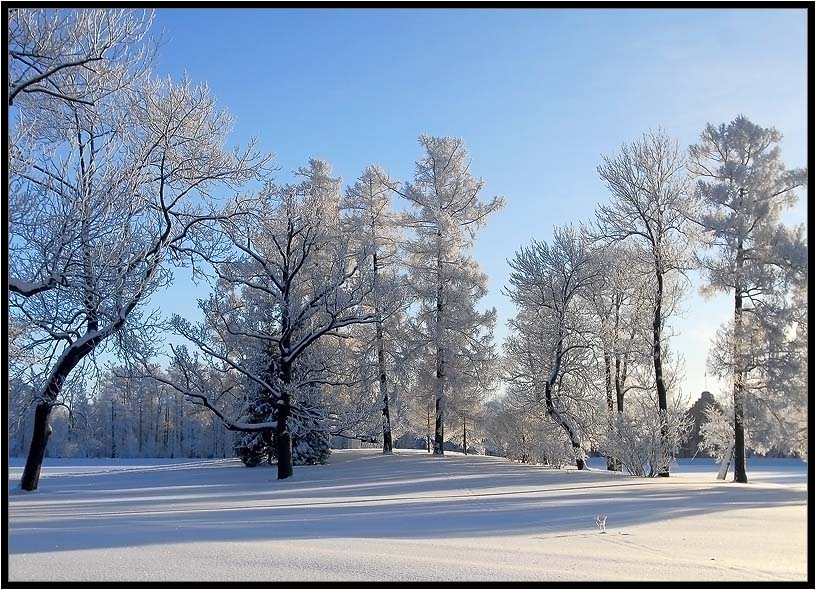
(537, 95)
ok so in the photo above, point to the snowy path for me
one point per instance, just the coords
(405, 517)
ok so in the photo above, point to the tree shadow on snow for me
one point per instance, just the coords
(406, 496)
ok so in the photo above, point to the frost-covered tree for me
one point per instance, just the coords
(51, 50)
(371, 222)
(446, 283)
(650, 207)
(548, 354)
(717, 432)
(523, 432)
(120, 415)
(744, 186)
(59, 59)
(287, 288)
(638, 438)
(101, 196)
(619, 299)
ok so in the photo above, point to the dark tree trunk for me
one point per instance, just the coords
(579, 460)
(439, 432)
(611, 464)
(215, 437)
(181, 427)
(388, 446)
(657, 325)
(36, 452)
(740, 473)
(282, 436)
(620, 380)
(166, 433)
(140, 427)
(567, 426)
(156, 431)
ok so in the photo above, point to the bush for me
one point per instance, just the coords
(634, 438)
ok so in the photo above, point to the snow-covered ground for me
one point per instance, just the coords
(404, 517)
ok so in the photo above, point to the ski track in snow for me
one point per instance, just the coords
(366, 516)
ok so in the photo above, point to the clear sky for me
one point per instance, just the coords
(537, 95)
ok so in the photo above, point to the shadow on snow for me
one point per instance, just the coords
(358, 495)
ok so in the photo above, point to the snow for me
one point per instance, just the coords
(407, 516)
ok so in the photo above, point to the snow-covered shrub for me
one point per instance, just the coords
(254, 447)
(634, 438)
(311, 441)
(717, 432)
(769, 429)
(553, 447)
(525, 436)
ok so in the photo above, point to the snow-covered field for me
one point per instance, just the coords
(404, 517)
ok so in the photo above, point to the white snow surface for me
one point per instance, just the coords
(405, 517)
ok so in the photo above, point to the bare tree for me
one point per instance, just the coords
(549, 352)
(286, 287)
(650, 205)
(60, 61)
(51, 52)
(105, 193)
(619, 300)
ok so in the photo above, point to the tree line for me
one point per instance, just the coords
(354, 311)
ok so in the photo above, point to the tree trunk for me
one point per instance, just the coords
(567, 425)
(662, 405)
(464, 435)
(66, 363)
(439, 430)
(282, 436)
(740, 474)
(140, 427)
(36, 452)
(166, 433)
(619, 384)
(611, 464)
(215, 437)
(388, 447)
(579, 456)
(181, 426)
(428, 428)
(439, 433)
(113, 430)
(158, 422)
